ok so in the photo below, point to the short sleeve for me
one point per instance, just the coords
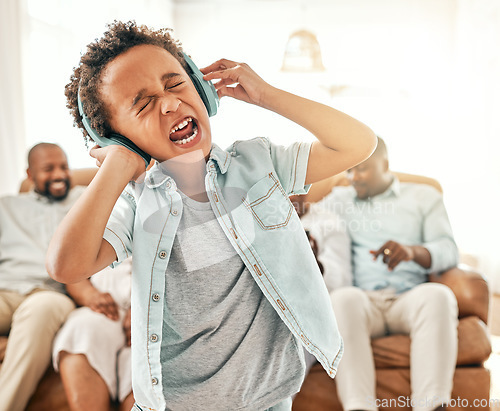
(120, 226)
(290, 164)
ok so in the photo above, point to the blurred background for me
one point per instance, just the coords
(423, 74)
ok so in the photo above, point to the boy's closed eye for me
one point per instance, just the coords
(169, 85)
(142, 107)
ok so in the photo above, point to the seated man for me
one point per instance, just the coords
(92, 349)
(399, 233)
(32, 305)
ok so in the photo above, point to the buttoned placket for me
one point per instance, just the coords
(244, 248)
(164, 247)
(247, 253)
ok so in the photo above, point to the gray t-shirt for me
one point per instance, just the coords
(224, 347)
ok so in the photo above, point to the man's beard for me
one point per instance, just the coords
(46, 192)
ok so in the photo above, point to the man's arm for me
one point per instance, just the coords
(77, 249)
(393, 253)
(342, 142)
(85, 294)
(438, 251)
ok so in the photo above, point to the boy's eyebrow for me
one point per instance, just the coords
(142, 92)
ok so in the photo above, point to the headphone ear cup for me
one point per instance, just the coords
(113, 138)
(205, 88)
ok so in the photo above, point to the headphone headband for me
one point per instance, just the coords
(205, 89)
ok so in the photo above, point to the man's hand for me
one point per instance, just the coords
(126, 327)
(103, 303)
(393, 253)
(85, 294)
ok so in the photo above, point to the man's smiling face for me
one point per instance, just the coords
(152, 101)
(49, 171)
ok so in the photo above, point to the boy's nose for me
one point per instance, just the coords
(169, 103)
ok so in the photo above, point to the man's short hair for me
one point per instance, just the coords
(381, 150)
(36, 148)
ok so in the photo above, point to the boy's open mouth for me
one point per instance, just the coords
(184, 132)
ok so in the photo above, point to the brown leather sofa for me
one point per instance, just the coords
(471, 383)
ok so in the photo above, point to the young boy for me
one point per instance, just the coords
(225, 287)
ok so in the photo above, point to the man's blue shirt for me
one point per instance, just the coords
(408, 213)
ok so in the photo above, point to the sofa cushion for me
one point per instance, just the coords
(473, 346)
(49, 395)
(318, 393)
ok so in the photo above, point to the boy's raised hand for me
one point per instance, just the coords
(342, 142)
(128, 161)
(237, 80)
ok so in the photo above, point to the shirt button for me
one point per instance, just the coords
(169, 184)
(174, 212)
(153, 338)
(162, 254)
(156, 297)
(154, 381)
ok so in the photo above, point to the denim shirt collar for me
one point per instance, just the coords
(221, 157)
(156, 176)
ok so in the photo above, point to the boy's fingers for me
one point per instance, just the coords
(237, 92)
(224, 82)
(221, 64)
(222, 74)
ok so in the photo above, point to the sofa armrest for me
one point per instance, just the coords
(470, 289)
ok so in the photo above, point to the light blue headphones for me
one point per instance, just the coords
(205, 89)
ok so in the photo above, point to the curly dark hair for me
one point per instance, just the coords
(86, 77)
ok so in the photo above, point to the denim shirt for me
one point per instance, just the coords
(248, 188)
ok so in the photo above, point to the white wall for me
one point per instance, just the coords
(12, 125)
(422, 73)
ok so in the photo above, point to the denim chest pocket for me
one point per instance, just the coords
(268, 203)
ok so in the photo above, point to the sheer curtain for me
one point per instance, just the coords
(12, 127)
